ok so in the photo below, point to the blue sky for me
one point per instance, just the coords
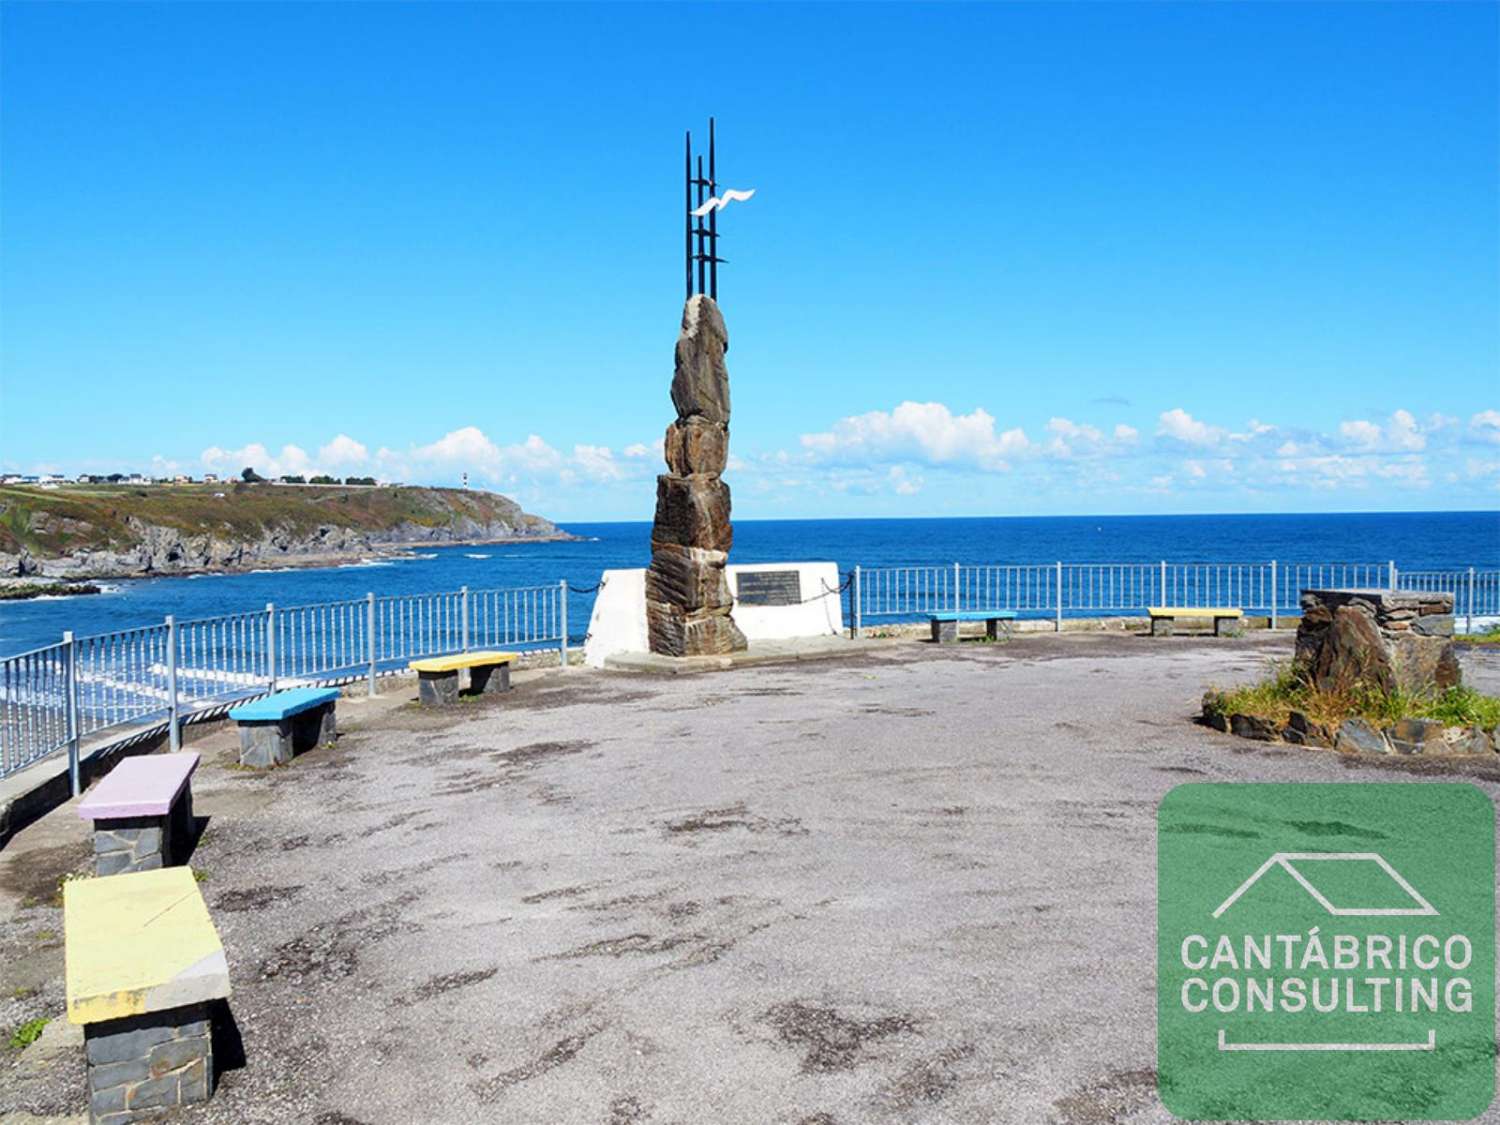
(1005, 259)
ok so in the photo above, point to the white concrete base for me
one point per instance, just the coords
(618, 624)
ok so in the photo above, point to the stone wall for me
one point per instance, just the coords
(688, 601)
(1382, 639)
(140, 1066)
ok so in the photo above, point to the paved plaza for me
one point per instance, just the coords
(915, 884)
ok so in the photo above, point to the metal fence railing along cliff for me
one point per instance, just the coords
(1060, 589)
(111, 688)
(108, 689)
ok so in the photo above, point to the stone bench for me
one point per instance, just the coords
(144, 971)
(437, 676)
(142, 813)
(945, 625)
(1164, 617)
(275, 729)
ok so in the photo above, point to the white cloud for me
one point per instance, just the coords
(1126, 435)
(596, 462)
(640, 449)
(924, 431)
(1486, 426)
(1181, 426)
(1400, 434)
(343, 450)
(903, 484)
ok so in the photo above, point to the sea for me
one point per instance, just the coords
(1413, 540)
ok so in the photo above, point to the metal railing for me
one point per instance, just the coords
(108, 689)
(1059, 590)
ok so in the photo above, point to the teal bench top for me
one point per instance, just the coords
(975, 615)
(283, 705)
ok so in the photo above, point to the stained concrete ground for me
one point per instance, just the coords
(912, 885)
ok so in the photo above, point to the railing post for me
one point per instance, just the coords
(1394, 584)
(1273, 593)
(174, 734)
(370, 638)
(957, 577)
(1163, 600)
(562, 644)
(463, 618)
(854, 615)
(271, 645)
(1057, 624)
(1469, 627)
(70, 673)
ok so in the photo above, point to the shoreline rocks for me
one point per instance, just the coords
(1405, 737)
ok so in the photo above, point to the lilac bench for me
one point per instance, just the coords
(142, 813)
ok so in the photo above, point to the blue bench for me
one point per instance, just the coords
(275, 728)
(945, 625)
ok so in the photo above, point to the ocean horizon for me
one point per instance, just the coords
(1413, 540)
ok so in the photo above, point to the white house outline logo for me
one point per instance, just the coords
(1284, 860)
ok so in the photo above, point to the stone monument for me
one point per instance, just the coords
(687, 598)
(1382, 639)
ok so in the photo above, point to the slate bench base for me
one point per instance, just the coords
(142, 843)
(140, 1066)
(436, 689)
(275, 742)
(1162, 626)
(945, 631)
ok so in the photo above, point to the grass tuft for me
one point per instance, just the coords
(28, 1033)
(1287, 689)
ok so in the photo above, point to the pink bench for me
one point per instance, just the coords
(142, 813)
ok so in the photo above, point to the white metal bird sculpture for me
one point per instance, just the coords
(719, 202)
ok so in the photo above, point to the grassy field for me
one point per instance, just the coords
(52, 522)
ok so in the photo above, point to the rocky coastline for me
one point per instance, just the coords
(163, 552)
(76, 535)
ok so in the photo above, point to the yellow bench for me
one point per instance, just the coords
(144, 971)
(1164, 616)
(437, 676)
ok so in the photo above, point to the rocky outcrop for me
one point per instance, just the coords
(134, 546)
(687, 597)
(1382, 640)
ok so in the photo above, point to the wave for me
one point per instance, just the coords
(364, 563)
(471, 556)
(428, 556)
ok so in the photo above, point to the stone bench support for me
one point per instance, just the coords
(438, 677)
(945, 625)
(145, 971)
(139, 1066)
(142, 813)
(277, 728)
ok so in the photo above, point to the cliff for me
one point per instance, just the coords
(118, 531)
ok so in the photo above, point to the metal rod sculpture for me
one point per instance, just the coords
(688, 601)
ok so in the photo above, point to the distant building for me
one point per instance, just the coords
(210, 478)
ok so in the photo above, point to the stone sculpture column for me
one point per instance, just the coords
(687, 596)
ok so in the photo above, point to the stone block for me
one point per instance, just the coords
(137, 843)
(945, 632)
(688, 577)
(700, 378)
(1257, 727)
(1467, 740)
(491, 679)
(266, 744)
(1307, 732)
(1416, 736)
(437, 689)
(692, 512)
(142, 1065)
(1434, 625)
(1355, 736)
(695, 447)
